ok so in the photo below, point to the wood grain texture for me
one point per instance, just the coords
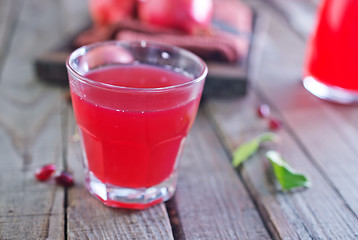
(328, 209)
(328, 137)
(30, 131)
(211, 202)
(318, 138)
(299, 15)
(30, 123)
(317, 213)
(88, 218)
(9, 12)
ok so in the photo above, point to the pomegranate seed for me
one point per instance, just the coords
(263, 111)
(64, 179)
(45, 172)
(275, 124)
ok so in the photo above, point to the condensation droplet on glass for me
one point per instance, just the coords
(165, 55)
(143, 44)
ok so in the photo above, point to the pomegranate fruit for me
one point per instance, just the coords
(106, 12)
(190, 16)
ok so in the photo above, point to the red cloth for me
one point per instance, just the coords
(220, 46)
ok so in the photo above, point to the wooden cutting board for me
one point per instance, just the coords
(224, 79)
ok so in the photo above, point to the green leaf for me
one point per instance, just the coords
(247, 149)
(285, 174)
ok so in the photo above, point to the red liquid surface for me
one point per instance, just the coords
(133, 148)
(333, 50)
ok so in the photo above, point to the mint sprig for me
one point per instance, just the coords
(287, 177)
(246, 150)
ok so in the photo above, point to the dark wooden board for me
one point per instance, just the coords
(224, 79)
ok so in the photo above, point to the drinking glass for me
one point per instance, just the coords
(134, 104)
(331, 70)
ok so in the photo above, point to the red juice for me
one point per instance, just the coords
(134, 141)
(333, 49)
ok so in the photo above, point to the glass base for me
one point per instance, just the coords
(134, 198)
(330, 93)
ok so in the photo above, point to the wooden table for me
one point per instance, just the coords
(213, 200)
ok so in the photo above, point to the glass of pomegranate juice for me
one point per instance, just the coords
(134, 104)
(331, 70)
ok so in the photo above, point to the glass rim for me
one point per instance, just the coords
(83, 49)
